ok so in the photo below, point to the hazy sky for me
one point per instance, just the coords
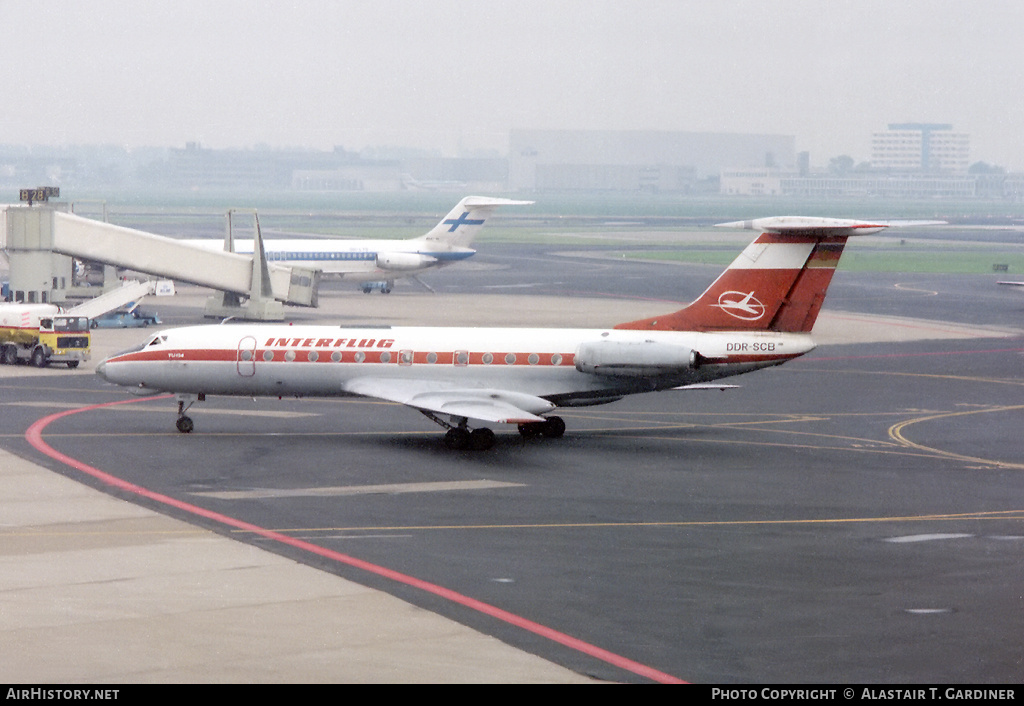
(460, 73)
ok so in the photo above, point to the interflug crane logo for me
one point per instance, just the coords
(742, 305)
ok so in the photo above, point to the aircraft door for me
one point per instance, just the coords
(246, 358)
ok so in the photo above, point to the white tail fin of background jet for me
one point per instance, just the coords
(463, 222)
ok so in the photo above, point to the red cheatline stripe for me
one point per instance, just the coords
(34, 436)
(323, 357)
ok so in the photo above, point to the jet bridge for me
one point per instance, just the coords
(252, 287)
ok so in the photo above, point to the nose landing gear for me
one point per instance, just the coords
(184, 422)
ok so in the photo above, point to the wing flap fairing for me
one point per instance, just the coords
(486, 404)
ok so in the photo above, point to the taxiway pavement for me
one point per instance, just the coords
(850, 516)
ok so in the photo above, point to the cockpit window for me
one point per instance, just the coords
(154, 341)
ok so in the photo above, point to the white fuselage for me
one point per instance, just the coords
(367, 258)
(559, 365)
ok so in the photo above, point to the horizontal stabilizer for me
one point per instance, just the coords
(807, 225)
(472, 202)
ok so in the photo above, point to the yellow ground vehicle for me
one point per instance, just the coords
(42, 334)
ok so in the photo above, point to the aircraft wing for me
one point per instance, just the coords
(487, 404)
(1012, 284)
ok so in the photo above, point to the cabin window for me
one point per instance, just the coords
(289, 356)
(360, 356)
(488, 358)
(431, 358)
(385, 357)
(510, 358)
(268, 356)
(533, 359)
(556, 359)
(336, 356)
(313, 356)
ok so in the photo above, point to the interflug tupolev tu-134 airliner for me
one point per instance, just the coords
(758, 313)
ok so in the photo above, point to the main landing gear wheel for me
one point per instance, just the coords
(460, 438)
(550, 428)
(457, 438)
(481, 439)
(184, 424)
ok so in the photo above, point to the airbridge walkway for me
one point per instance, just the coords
(33, 235)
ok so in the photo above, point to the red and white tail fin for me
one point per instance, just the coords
(777, 283)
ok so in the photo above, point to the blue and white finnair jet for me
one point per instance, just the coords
(379, 262)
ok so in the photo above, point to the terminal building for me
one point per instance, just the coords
(635, 160)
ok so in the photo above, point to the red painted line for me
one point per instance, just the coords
(34, 436)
